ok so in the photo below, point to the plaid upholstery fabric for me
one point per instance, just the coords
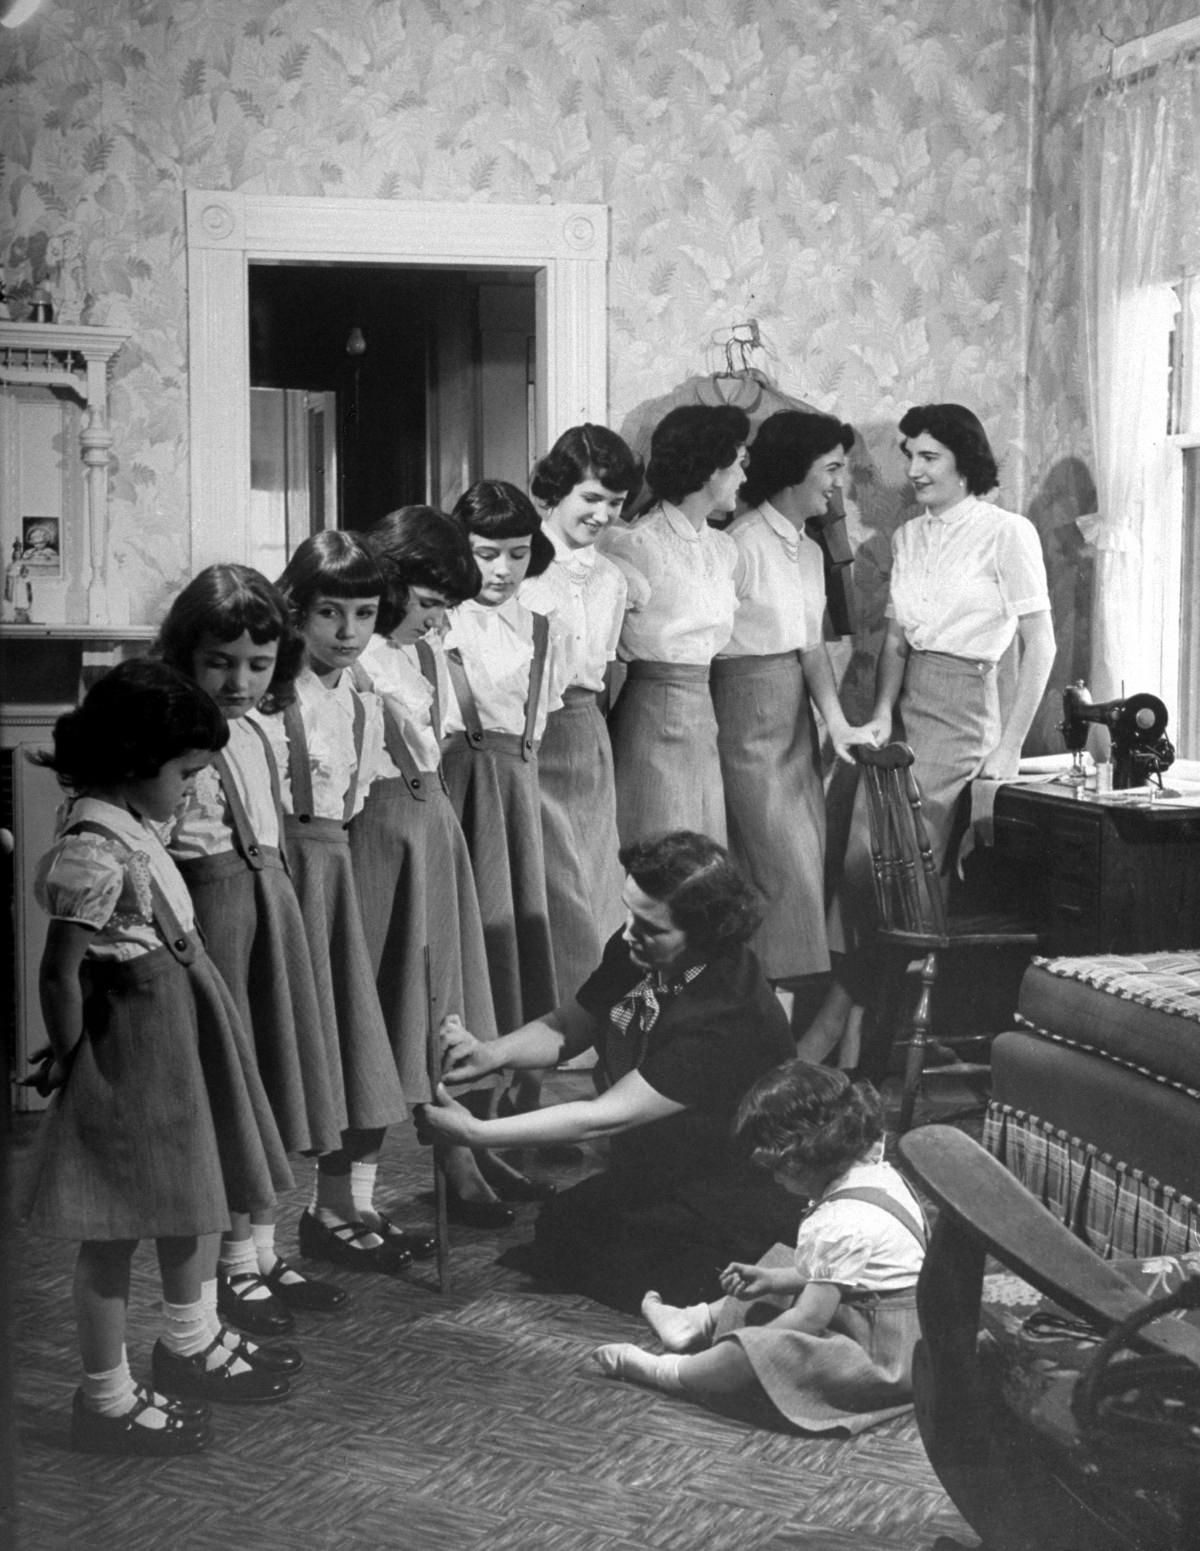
(1117, 1211)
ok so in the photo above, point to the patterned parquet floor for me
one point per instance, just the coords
(469, 1420)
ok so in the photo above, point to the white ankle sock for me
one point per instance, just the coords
(623, 1361)
(110, 1393)
(362, 1186)
(186, 1329)
(679, 1330)
(239, 1257)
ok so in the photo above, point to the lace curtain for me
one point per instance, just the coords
(1140, 236)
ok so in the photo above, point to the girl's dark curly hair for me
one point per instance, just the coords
(329, 564)
(690, 444)
(786, 446)
(813, 1116)
(226, 602)
(584, 452)
(957, 428)
(418, 546)
(132, 721)
(696, 879)
(494, 509)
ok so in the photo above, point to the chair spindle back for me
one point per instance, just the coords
(908, 890)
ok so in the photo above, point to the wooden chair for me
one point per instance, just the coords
(1134, 1488)
(913, 920)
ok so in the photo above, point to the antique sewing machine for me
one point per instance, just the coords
(1137, 728)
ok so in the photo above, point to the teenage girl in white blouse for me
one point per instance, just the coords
(968, 578)
(775, 662)
(581, 485)
(681, 607)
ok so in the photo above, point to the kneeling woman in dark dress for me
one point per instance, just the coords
(683, 1023)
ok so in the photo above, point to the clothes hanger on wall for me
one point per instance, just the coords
(741, 385)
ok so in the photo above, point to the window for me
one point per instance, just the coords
(1184, 436)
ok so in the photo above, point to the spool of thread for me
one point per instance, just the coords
(43, 309)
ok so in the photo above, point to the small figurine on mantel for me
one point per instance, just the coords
(18, 589)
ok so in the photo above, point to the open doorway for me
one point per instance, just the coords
(373, 387)
(564, 248)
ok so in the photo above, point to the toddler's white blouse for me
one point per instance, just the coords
(961, 580)
(780, 583)
(681, 590)
(496, 645)
(587, 592)
(856, 1244)
(328, 716)
(93, 881)
(203, 824)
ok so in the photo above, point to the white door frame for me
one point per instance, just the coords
(567, 245)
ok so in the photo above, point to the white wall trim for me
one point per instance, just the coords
(1141, 53)
(567, 245)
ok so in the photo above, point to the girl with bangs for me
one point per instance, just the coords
(326, 745)
(229, 632)
(506, 665)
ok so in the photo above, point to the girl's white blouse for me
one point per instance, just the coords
(328, 716)
(587, 593)
(681, 587)
(780, 584)
(93, 881)
(496, 645)
(407, 698)
(203, 825)
(855, 1244)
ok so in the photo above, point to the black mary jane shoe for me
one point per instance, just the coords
(509, 1183)
(420, 1246)
(191, 1378)
(94, 1433)
(341, 1246)
(271, 1359)
(478, 1214)
(267, 1316)
(308, 1295)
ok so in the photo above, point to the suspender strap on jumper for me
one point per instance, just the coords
(175, 939)
(476, 736)
(299, 771)
(880, 1198)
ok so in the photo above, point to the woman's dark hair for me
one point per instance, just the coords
(494, 509)
(418, 546)
(227, 602)
(132, 721)
(690, 444)
(785, 447)
(585, 452)
(329, 564)
(960, 430)
(813, 1116)
(696, 879)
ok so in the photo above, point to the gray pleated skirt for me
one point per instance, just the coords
(495, 795)
(775, 804)
(665, 760)
(163, 1125)
(319, 855)
(254, 933)
(579, 836)
(417, 890)
(855, 1374)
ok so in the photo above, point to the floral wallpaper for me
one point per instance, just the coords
(852, 173)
